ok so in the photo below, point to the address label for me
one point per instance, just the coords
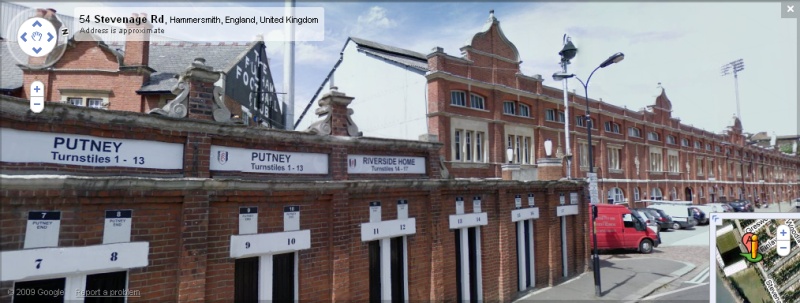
(270, 243)
(468, 220)
(39, 262)
(524, 214)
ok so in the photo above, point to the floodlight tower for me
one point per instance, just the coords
(736, 67)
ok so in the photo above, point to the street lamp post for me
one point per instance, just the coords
(615, 58)
(567, 53)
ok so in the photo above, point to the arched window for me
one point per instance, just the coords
(636, 194)
(655, 194)
(615, 195)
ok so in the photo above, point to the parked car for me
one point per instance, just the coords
(699, 215)
(742, 206)
(618, 228)
(680, 215)
(663, 220)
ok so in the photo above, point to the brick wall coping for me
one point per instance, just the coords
(62, 182)
(19, 109)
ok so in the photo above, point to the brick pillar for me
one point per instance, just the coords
(201, 79)
(196, 156)
(341, 243)
(440, 229)
(193, 247)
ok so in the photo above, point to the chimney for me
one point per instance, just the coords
(137, 44)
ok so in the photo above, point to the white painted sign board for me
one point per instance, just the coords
(291, 218)
(525, 214)
(248, 220)
(41, 262)
(459, 205)
(43, 228)
(243, 246)
(69, 149)
(593, 192)
(388, 229)
(267, 161)
(468, 220)
(402, 209)
(566, 210)
(367, 164)
(118, 226)
(375, 211)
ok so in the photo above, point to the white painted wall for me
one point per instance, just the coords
(390, 99)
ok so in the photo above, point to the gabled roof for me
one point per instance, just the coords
(398, 55)
(170, 59)
(10, 73)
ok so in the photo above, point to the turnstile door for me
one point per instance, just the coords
(51, 290)
(106, 287)
(283, 278)
(245, 282)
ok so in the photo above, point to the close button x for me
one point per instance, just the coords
(790, 8)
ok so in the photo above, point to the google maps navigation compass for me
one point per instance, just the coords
(750, 242)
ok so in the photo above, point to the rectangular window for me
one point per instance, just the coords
(468, 146)
(476, 101)
(584, 154)
(479, 146)
(94, 102)
(75, 101)
(457, 145)
(524, 110)
(509, 108)
(458, 98)
(700, 168)
(526, 149)
(614, 158)
(550, 115)
(656, 161)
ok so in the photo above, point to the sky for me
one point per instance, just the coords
(681, 45)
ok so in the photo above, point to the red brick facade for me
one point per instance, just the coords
(188, 216)
(490, 68)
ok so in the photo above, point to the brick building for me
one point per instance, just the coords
(168, 209)
(479, 105)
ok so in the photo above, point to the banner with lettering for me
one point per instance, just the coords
(21, 146)
(267, 161)
(364, 164)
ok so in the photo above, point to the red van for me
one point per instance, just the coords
(618, 228)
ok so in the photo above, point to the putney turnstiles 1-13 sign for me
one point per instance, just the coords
(249, 82)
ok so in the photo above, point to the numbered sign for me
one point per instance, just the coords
(476, 204)
(388, 229)
(43, 228)
(402, 209)
(573, 198)
(459, 205)
(248, 220)
(566, 210)
(375, 211)
(118, 226)
(468, 220)
(54, 261)
(530, 199)
(243, 246)
(562, 198)
(291, 218)
(525, 214)
(517, 201)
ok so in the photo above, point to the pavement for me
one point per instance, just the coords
(621, 280)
